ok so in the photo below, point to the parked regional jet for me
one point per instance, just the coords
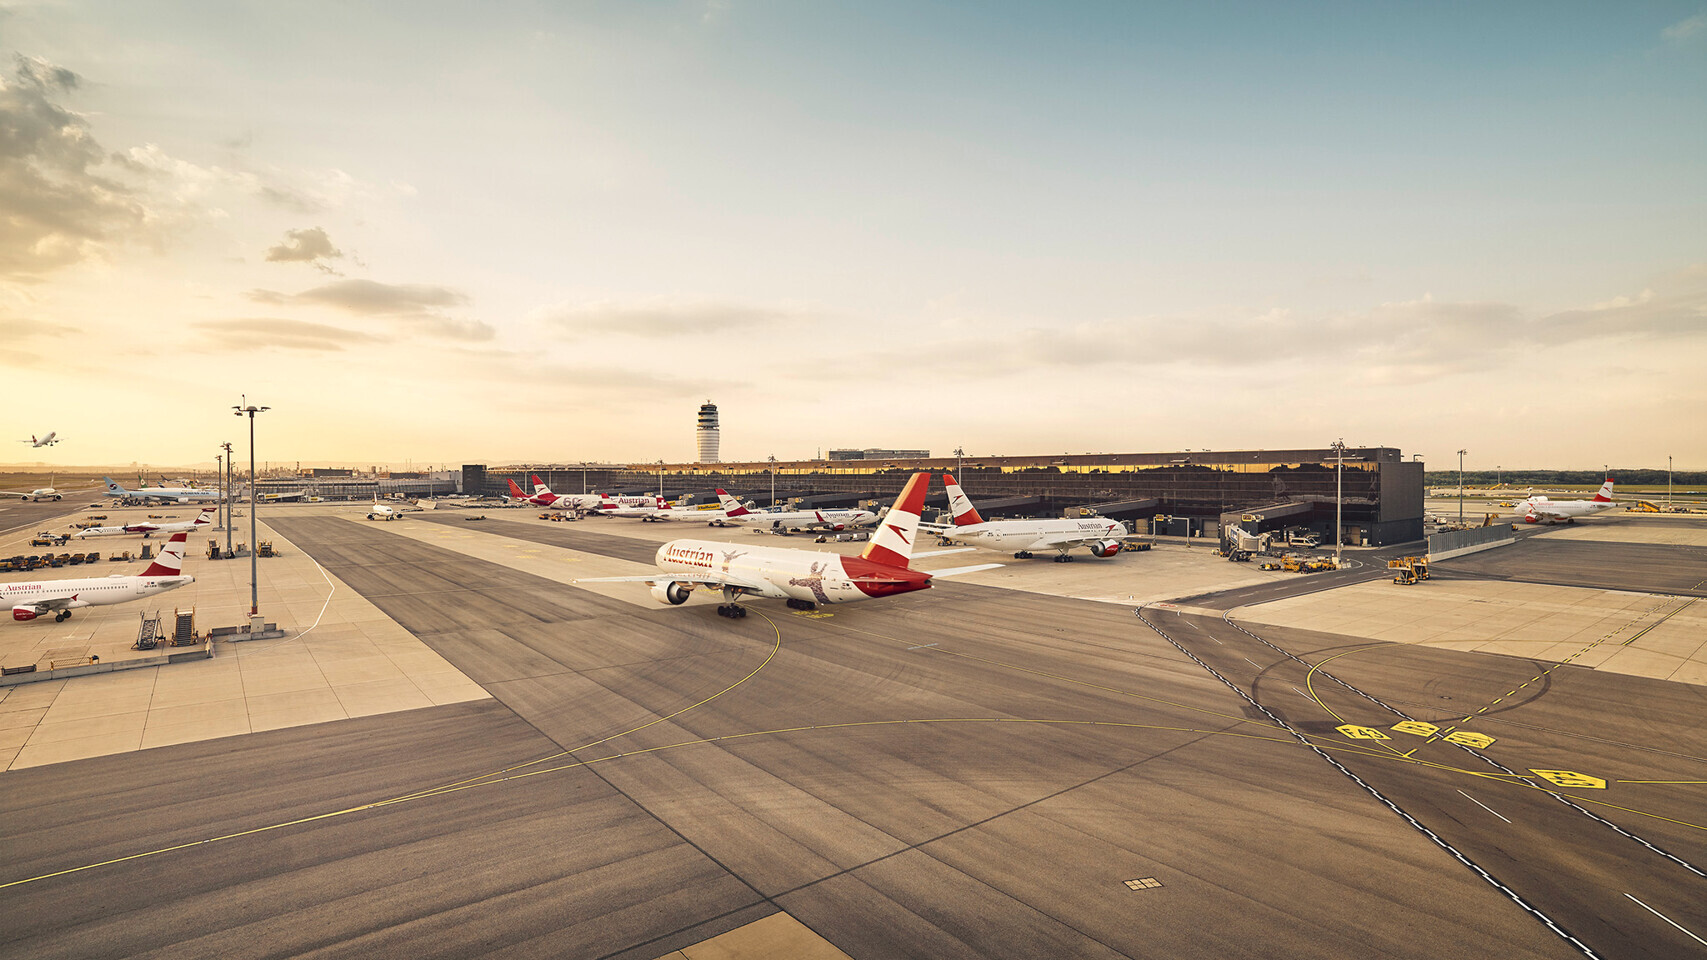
(60, 597)
(147, 527)
(175, 494)
(380, 511)
(52, 438)
(38, 494)
(784, 520)
(805, 578)
(1540, 509)
(1102, 535)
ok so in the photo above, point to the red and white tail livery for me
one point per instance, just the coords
(804, 578)
(1543, 510)
(204, 519)
(782, 521)
(1101, 536)
(59, 597)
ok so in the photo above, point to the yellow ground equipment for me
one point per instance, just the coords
(1408, 570)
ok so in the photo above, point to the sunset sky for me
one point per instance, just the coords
(542, 232)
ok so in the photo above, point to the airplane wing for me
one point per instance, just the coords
(957, 571)
(704, 579)
(942, 553)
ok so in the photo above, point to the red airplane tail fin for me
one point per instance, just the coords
(170, 562)
(892, 544)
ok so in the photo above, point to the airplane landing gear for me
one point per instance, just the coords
(733, 611)
(1063, 558)
(1023, 555)
(62, 616)
(801, 605)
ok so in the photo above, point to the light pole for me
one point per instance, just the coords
(1338, 446)
(1461, 454)
(1668, 484)
(230, 492)
(219, 478)
(958, 453)
(660, 479)
(1186, 462)
(254, 580)
(773, 480)
(1499, 475)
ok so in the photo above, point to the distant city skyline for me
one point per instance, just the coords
(472, 234)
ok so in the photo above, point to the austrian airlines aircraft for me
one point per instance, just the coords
(178, 494)
(805, 578)
(147, 527)
(1102, 535)
(659, 509)
(834, 520)
(539, 499)
(1539, 509)
(47, 441)
(60, 597)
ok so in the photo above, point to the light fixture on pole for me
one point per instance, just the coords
(254, 582)
(1461, 454)
(958, 453)
(230, 494)
(1338, 446)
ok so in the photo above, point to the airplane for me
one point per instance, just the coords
(571, 501)
(1102, 535)
(60, 597)
(147, 527)
(380, 511)
(177, 494)
(1538, 509)
(805, 578)
(659, 510)
(47, 441)
(38, 494)
(538, 499)
(785, 520)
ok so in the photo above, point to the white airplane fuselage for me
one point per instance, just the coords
(782, 573)
(1542, 510)
(142, 528)
(805, 519)
(84, 592)
(1015, 536)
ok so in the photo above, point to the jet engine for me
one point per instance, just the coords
(24, 613)
(673, 593)
(1105, 548)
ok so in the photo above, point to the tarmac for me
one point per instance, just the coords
(1009, 764)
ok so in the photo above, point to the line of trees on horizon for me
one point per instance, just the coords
(1561, 478)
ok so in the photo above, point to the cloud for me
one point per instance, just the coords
(1686, 29)
(309, 246)
(415, 306)
(263, 333)
(58, 208)
(21, 332)
(1396, 343)
(661, 318)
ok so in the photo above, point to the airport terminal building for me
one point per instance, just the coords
(1381, 493)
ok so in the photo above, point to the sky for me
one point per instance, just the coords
(546, 232)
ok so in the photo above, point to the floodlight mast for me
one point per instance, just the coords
(254, 580)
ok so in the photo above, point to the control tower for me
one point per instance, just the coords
(707, 433)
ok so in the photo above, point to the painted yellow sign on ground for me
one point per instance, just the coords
(1478, 740)
(1356, 732)
(1571, 778)
(1417, 727)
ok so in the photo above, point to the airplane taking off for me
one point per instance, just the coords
(175, 494)
(147, 527)
(1540, 509)
(1102, 535)
(52, 438)
(782, 520)
(60, 597)
(38, 494)
(805, 578)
